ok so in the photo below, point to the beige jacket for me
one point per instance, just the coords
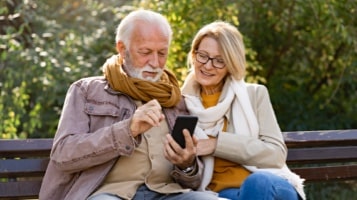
(266, 151)
(269, 151)
(93, 132)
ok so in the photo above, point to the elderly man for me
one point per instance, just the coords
(113, 138)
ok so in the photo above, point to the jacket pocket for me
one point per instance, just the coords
(102, 115)
(102, 109)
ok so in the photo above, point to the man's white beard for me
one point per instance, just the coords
(137, 72)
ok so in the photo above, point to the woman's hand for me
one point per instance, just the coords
(206, 146)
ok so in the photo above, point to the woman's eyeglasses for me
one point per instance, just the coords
(204, 58)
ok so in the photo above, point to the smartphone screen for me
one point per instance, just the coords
(183, 122)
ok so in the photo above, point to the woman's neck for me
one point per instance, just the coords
(212, 89)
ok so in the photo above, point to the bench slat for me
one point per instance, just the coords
(320, 138)
(330, 173)
(23, 189)
(25, 147)
(322, 154)
(23, 167)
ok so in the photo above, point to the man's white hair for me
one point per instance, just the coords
(126, 26)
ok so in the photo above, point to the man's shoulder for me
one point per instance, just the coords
(90, 84)
(91, 80)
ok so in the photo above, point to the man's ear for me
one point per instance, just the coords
(120, 46)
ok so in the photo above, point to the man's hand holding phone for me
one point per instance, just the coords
(183, 122)
(180, 146)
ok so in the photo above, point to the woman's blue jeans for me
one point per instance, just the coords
(262, 186)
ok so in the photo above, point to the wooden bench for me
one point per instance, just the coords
(314, 155)
(323, 155)
(22, 166)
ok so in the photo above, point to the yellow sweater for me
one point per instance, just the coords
(226, 174)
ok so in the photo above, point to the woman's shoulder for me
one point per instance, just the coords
(257, 92)
(255, 87)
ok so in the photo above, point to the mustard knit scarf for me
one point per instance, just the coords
(166, 90)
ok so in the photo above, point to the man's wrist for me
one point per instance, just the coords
(190, 170)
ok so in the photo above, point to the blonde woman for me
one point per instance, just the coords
(239, 137)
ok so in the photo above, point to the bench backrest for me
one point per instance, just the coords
(323, 155)
(22, 166)
(314, 155)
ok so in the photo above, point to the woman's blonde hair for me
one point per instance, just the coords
(231, 45)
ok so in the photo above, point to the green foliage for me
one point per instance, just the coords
(46, 45)
(308, 50)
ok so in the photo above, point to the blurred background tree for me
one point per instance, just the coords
(305, 52)
(308, 50)
(45, 46)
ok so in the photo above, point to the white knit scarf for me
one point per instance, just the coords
(211, 122)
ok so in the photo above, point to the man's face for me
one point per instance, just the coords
(147, 72)
(146, 56)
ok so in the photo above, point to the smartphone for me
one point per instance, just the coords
(183, 122)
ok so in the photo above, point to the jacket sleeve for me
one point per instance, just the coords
(76, 148)
(192, 181)
(266, 151)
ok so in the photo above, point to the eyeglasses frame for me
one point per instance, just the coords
(209, 59)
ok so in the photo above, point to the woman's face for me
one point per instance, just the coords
(209, 77)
